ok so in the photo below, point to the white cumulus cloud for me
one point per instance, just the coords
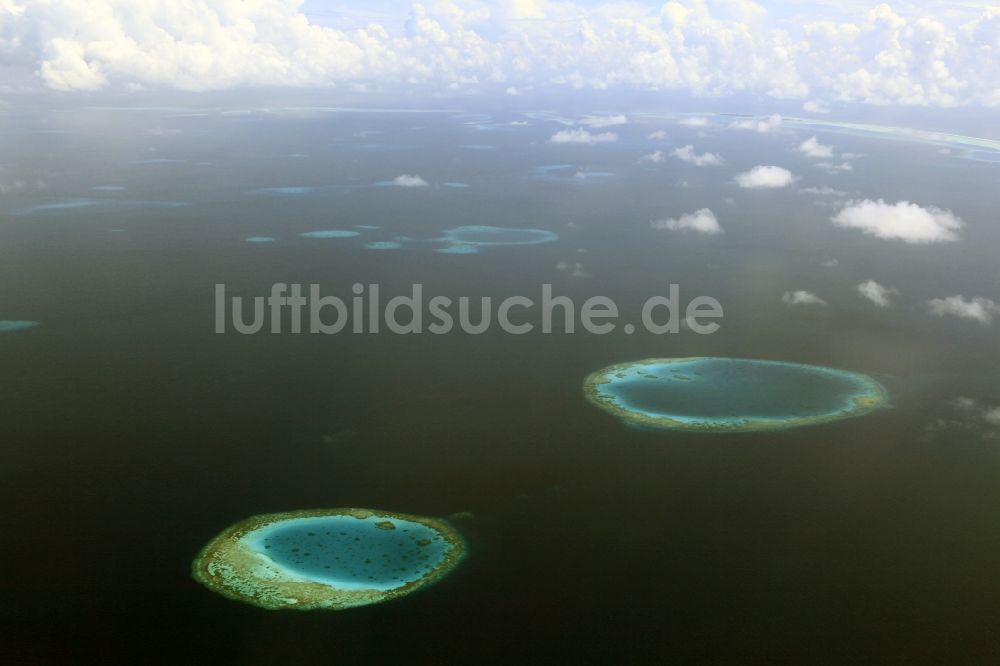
(703, 221)
(658, 135)
(878, 294)
(901, 221)
(656, 157)
(765, 177)
(802, 297)
(979, 309)
(813, 148)
(688, 154)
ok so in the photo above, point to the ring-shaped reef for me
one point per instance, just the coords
(330, 233)
(473, 237)
(383, 245)
(726, 395)
(327, 559)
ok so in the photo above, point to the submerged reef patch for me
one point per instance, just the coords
(383, 245)
(158, 160)
(327, 559)
(288, 189)
(708, 394)
(469, 239)
(482, 236)
(70, 206)
(11, 325)
(458, 249)
(303, 190)
(568, 174)
(330, 233)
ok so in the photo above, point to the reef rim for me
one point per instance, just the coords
(229, 566)
(874, 398)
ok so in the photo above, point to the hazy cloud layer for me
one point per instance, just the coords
(968, 417)
(834, 169)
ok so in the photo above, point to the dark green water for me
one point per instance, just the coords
(132, 433)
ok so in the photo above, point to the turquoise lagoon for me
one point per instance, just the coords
(731, 395)
(327, 559)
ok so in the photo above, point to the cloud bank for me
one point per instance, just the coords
(902, 54)
(900, 221)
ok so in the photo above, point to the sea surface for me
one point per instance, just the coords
(132, 433)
